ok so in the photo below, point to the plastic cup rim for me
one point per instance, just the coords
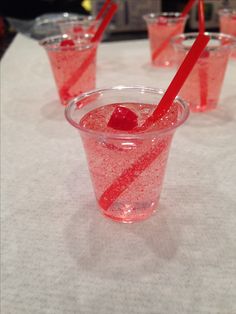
(227, 11)
(171, 16)
(180, 46)
(138, 135)
(81, 21)
(51, 43)
(57, 17)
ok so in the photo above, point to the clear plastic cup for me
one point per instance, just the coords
(203, 87)
(161, 28)
(127, 168)
(228, 24)
(83, 24)
(73, 76)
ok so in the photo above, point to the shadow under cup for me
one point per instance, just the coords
(73, 63)
(126, 167)
(203, 86)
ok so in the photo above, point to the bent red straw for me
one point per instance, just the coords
(165, 43)
(122, 182)
(79, 72)
(203, 75)
(201, 16)
(100, 14)
(178, 80)
(103, 9)
(106, 20)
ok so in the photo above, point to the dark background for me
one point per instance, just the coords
(26, 10)
(29, 9)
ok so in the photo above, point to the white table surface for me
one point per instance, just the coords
(59, 255)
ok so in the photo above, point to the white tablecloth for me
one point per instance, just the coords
(60, 255)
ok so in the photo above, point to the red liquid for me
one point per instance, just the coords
(228, 26)
(109, 158)
(64, 63)
(158, 32)
(203, 87)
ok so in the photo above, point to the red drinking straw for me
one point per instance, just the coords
(80, 71)
(178, 80)
(203, 75)
(122, 182)
(165, 43)
(103, 9)
(106, 20)
(100, 14)
(201, 16)
(187, 8)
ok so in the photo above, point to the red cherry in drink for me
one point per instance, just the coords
(67, 42)
(123, 118)
(162, 20)
(77, 29)
(205, 54)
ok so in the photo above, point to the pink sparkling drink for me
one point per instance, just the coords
(161, 27)
(203, 87)
(67, 56)
(228, 24)
(131, 162)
